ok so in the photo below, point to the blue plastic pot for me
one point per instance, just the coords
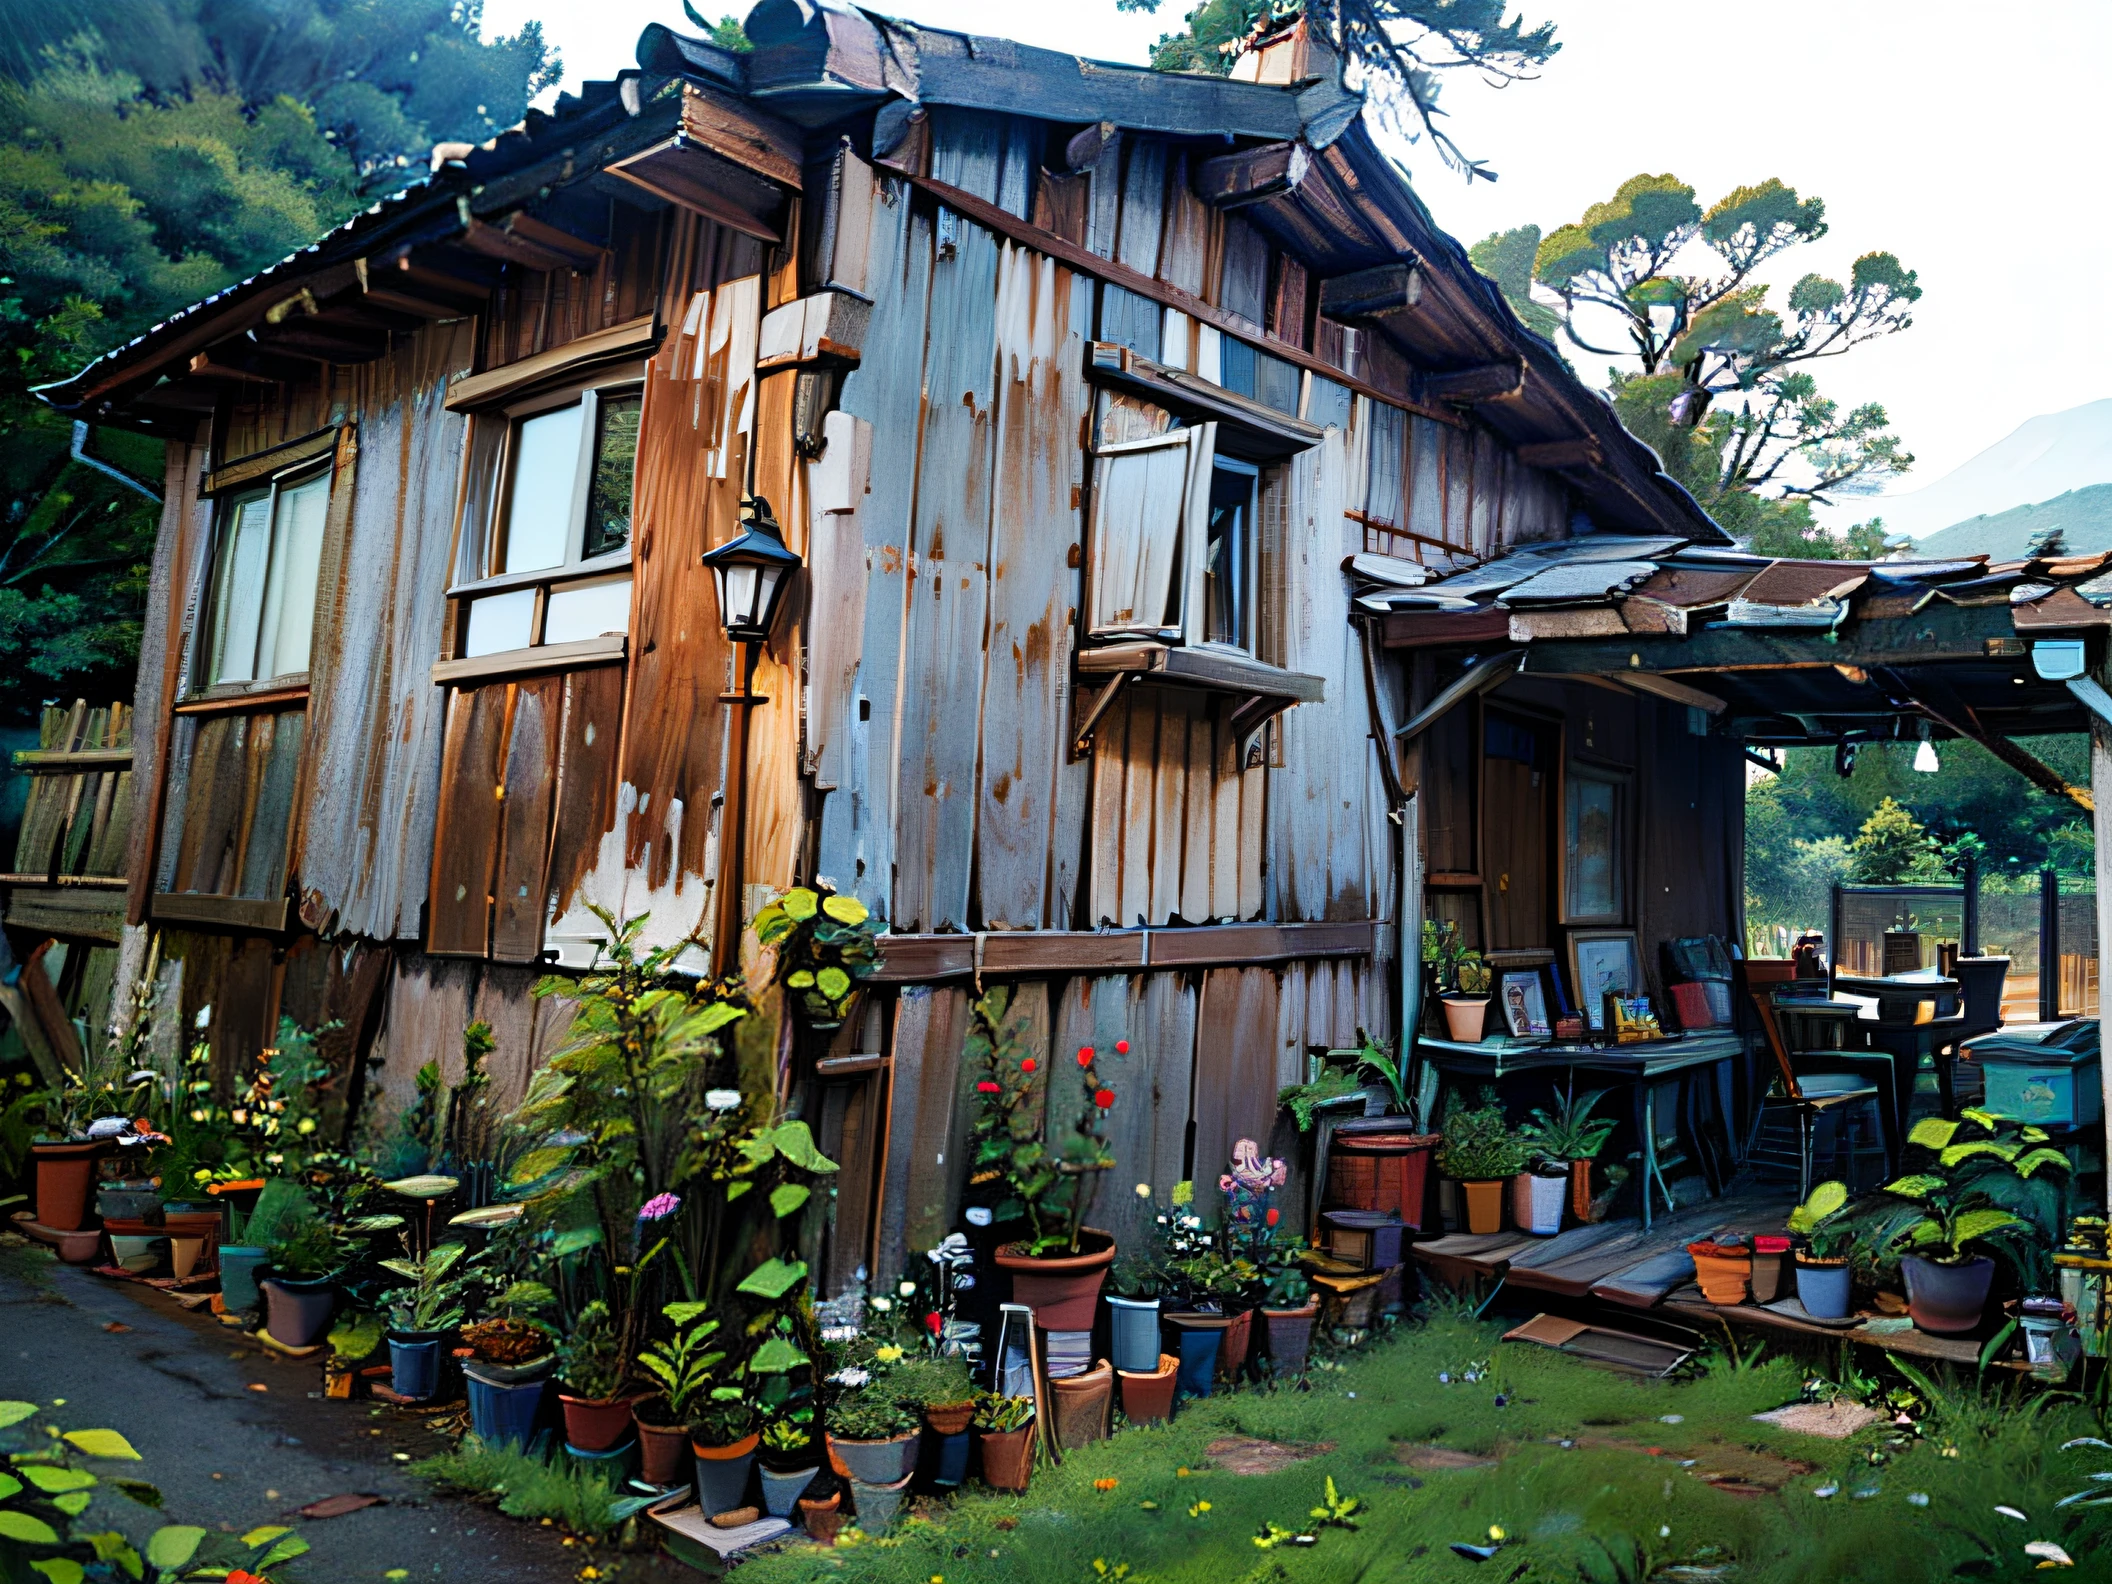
(1824, 1290)
(414, 1366)
(1198, 1362)
(238, 1275)
(1136, 1334)
(615, 1465)
(504, 1412)
(945, 1461)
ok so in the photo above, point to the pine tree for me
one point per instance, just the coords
(1892, 848)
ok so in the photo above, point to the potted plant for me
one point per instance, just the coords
(872, 1432)
(1134, 1312)
(723, 1440)
(1573, 1136)
(420, 1317)
(685, 1366)
(510, 1359)
(940, 1389)
(1004, 1434)
(1049, 1177)
(821, 1509)
(299, 1295)
(1481, 1154)
(1948, 1275)
(1460, 977)
(592, 1369)
(1290, 1309)
(1538, 1193)
(788, 1458)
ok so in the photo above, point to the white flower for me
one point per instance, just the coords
(883, 1304)
(1143, 1190)
(722, 1099)
(851, 1376)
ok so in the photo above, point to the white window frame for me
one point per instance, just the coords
(227, 509)
(576, 568)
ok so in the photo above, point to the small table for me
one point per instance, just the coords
(1895, 1026)
(1641, 1064)
(1898, 994)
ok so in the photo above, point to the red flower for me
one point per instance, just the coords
(931, 1322)
(1103, 1098)
(987, 1087)
(1273, 1216)
(1121, 1047)
(1027, 1065)
(1085, 1055)
(244, 1576)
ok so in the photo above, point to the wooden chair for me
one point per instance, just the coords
(1809, 1095)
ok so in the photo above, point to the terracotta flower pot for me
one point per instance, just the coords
(1824, 1287)
(1008, 1456)
(594, 1424)
(1147, 1396)
(663, 1450)
(1238, 1340)
(1580, 1190)
(1770, 1254)
(1947, 1300)
(1723, 1273)
(1290, 1337)
(949, 1419)
(722, 1474)
(822, 1519)
(1466, 1017)
(1083, 1404)
(64, 1173)
(1063, 1290)
(1484, 1206)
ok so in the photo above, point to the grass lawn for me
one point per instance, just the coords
(1629, 1498)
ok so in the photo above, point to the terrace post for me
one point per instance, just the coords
(2101, 791)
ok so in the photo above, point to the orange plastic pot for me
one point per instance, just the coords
(1148, 1398)
(1484, 1205)
(1724, 1274)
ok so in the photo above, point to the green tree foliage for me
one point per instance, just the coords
(727, 32)
(1892, 848)
(152, 152)
(1713, 375)
(1400, 48)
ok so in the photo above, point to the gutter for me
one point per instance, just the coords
(80, 455)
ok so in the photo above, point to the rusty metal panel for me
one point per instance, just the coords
(857, 847)
(1041, 402)
(472, 778)
(586, 783)
(527, 800)
(942, 675)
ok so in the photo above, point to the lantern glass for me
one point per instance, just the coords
(738, 604)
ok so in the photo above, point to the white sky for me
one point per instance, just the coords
(1968, 140)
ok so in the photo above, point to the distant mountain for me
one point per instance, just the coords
(2084, 517)
(2044, 457)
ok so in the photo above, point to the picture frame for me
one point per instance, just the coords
(1594, 845)
(1602, 960)
(1523, 993)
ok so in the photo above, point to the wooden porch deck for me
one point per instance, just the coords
(1618, 1264)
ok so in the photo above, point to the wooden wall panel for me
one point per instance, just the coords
(1035, 525)
(837, 483)
(968, 150)
(942, 675)
(1184, 247)
(587, 785)
(472, 774)
(431, 1000)
(1147, 1128)
(927, 1099)
(530, 798)
(1143, 205)
(180, 548)
(369, 791)
(1321, 866)
(1236, 1040)
(857, 843)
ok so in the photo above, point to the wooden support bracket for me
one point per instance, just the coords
(1082, 737)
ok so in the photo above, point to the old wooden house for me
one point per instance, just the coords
(1123, 423)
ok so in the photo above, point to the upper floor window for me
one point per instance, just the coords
(1230, 554)
(269, 547)
(553, 565)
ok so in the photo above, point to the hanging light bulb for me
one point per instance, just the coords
(1925, 759)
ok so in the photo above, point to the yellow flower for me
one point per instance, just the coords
(887, 1355)
(1496, 1533)
(845, 910)
(799, 904)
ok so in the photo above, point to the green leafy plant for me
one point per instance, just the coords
(431, 1302)
(790, 1436)
(684, 1364)
(49, 1487)
(932, 1381)
(1304, 1100)
(1478, 1145)
(1571, 1133)
(1377, 1057)
(1818, 1221)
(308, 1251)
(1957, 1174)
(871, 1413)
(591, 1356)
(725, 1416)
(997, 1413)
(825, 943)
(1139, 1276)
(1049, 1184)
(528, 1487)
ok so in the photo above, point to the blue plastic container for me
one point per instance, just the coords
(504, 1413)
(1198, 1362)
(615, 1465)
(1135, 1324)
(945, 1460)
(238, 1276)
(414, 1367)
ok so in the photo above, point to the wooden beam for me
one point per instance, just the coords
(633, 338)
(1232, 181)
(1580, 453)
(428, 279)
(922, 959)
(1375, 293)
(1677, 692)
(1479, 678)
(524, 240)
(1935, 699)
(1482, 383)
(2093, 698)
(691, 176)
(740, 132)
(2091, 691)
(404, 302)
(332, 344)
(222, 912)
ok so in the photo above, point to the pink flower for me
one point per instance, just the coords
(660, 1207)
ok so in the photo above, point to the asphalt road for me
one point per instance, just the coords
(226, 1454)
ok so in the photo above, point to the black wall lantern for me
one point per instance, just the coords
(752, 570)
